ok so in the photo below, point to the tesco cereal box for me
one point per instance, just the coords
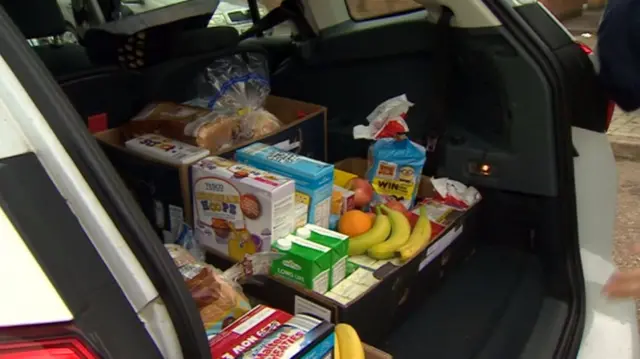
(245, 332)
(238, 209)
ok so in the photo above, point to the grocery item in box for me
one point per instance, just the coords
(301, 212)
(194, 125)
(395, 163)
(339, 244)
(165, 149)
(246, 332)
(217, 299)
(304, 262)
(303, 336)
(238, 209)
(314, 179)
(395, 169)
(341, 178)
(344, 200)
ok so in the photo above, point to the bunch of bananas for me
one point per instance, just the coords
(347, 344)
(391, 235)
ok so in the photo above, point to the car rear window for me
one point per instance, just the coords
(370, 9)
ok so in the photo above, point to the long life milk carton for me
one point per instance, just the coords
(314, 179)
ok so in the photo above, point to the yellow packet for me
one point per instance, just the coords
(341, 178)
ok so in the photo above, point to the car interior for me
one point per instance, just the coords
(504, 96)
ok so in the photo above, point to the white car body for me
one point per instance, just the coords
(610, 328)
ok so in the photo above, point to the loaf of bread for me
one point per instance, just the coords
(201, 127)
(217, 300)
(188, 124)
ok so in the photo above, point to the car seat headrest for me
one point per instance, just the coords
(36, 18)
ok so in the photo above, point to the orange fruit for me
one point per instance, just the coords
(354, 223)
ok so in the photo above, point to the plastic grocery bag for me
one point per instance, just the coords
(236, 87)
(394, 162)
(219, 301)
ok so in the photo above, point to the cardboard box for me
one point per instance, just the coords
(374, 353)
(163, 191)
(379, 293)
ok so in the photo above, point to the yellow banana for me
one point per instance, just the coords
(348, 342)
(400, 231)
(336, 347)
(419, 239)
(377, 234)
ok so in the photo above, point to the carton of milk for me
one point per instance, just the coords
(314, 179)
(304, 262)
(238, 209)
(339, 244)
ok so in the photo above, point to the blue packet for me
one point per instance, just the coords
(394, 170)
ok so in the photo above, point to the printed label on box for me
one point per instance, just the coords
(304, 306)
(435, 249)
(246, 332)
(176, 217)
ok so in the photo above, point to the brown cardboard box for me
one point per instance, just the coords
(163, 190)
(388, 290)
(374, 353)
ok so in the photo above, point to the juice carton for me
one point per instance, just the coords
(303, 262)
(238, 209)
(302, 337)
(314, 179)
(344, 200)
(247, 331)
(339, 244)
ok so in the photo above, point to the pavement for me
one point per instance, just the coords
(627, 230)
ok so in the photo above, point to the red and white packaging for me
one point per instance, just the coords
(246, 332)
(347, 201)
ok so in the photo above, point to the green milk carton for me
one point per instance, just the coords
(339, 244)
(304, 262)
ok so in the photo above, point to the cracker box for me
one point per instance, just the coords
(314, 179)
(239, 209)
(246, 332)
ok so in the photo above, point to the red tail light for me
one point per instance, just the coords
(611, 106)
(587, 50)
(43, 342)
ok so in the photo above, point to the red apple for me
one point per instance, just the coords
(363, 191)
(396, 205)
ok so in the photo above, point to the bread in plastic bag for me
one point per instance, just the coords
(219, 301)
(237, 86)
(197, 126)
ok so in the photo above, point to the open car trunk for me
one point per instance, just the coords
(519, 294)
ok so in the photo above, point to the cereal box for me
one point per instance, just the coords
(246, 332)
(314, 179)
(239, 209)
